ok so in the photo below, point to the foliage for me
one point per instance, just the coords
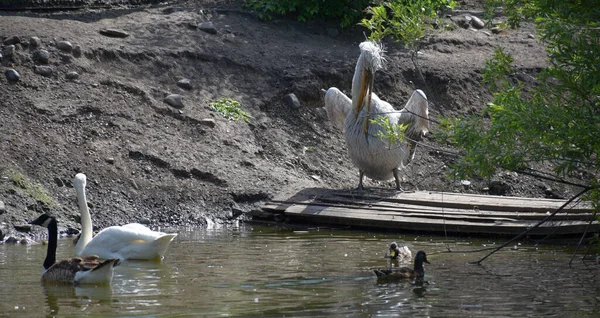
(34, 190)
(558, 120)
(346, 11)
(230, 109)
(405, 20)
(394, 133)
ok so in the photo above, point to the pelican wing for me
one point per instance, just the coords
(416, 114)
(338, 106)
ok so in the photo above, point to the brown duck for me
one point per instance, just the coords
(401, 273)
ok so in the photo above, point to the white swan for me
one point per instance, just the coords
(130, 241)
(76, 270)
(374, 157)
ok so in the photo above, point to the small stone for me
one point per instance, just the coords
(208, 122)
(23, 227)
(34, 42)
(2, 207)
(0, 56)
(12, 40)
(72, 75)
(498, 188)
(477, 23)
(145, 221)
(114, 33)
(11, 240)
(43, 70)
(110, 160)
(332, 32)
(64, 45)
(77, 51)
(59, 182)
(184, 83)
(207, 27)
(466, 184)
(42, 56)
(531, 36)
(12, 75)
(9, 50)
(496, 30)
(174, 100)
(291, 100)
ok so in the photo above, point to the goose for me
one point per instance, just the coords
(132, 241)
(402, 273)
(399, 252)
(375, 157)
(78, 270)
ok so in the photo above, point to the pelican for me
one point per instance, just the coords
(130, 241)
(374, 156)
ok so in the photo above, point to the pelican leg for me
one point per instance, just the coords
(360, 180)
(398, 187)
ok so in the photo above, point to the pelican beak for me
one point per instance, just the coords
(364, 97)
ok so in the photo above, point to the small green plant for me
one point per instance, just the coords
(34, 190)
(392, 133)
(230, 109)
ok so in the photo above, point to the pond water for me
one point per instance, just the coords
(266, 271)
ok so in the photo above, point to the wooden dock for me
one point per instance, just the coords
(431, 212)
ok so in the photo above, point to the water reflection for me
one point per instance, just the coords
(253, 270)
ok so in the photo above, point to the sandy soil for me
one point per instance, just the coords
(149, 162)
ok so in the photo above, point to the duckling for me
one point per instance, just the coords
(77, 270)
(418, 273)
(399, 253)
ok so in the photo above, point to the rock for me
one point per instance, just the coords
(64, 45)
(466, 184)
(110, 160)
(42, 56)
(12, 40)
(184, 83)
(173, 10)
(12, 75)
(34, 42)
(2, 207)
(114, 33)
(23, 227)
(174, 100)
(59, 182)
(11, 240)
(477, 23)
(72, 75)
(9, 51)
(77, 51)
(208, 122)
(332, 32)
(43, 70)
(207, 27)
(498, 188)
(292, 101)
(0, 57)
(145, 221)
(531, 36)
(496, 30)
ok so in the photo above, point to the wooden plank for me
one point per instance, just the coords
(466, 201)
(358, 218)
(444, 213)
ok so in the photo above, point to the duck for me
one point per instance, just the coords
(398, 253)
(77, 270)
(401, 273)
(132, 241)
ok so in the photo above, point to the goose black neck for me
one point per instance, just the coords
(52, 243)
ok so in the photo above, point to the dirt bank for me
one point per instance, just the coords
(98, 108)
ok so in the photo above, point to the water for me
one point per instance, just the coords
(262, 271)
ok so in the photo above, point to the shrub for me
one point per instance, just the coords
(347, 12)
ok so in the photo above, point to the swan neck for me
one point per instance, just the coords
(52, 243)
(86, 221)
